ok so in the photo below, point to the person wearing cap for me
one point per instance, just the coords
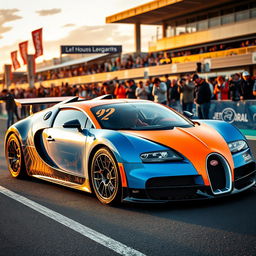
(202, 97)
(159, 91)
(235, 87)
(247, 86)
(186, 88)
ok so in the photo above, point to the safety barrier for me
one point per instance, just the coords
(242, 114)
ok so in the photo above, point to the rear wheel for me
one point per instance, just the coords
(14, 156)
(105, 177)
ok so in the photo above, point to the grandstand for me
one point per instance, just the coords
(212, 37)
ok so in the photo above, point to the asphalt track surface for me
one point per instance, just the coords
(215, 227)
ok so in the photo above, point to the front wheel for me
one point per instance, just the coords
(105, 177)
(14, 157)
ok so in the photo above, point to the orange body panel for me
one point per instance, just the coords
(195, 143)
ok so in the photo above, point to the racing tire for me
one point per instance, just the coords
(15, 158)
(105, 177)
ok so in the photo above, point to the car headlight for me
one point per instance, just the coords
(237, 146)
(160, 156)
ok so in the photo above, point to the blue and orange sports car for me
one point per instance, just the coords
(130, 150)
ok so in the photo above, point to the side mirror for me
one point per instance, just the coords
(188, 114)
(73, 124)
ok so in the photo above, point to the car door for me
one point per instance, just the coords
(66, 147)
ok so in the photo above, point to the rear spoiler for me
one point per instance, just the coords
(44, 100)
(53, 100)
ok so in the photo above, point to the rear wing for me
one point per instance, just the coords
(53, 100)
(44, 100)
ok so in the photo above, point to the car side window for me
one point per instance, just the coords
(66, 115)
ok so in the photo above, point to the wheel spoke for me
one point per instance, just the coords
(104, 176)
(101, 167)
(102, 162)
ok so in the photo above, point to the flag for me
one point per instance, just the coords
(24, 51)
(38, 42)
(15, 62)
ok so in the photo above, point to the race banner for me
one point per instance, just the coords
(241, 114)
(24, 51)
(37, 36)
(15, 62)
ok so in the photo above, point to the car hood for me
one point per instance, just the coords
(195, 143)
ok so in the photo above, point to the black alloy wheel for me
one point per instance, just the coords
(105, 177)
(14, 156)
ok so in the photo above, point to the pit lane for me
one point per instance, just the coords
(217, 227)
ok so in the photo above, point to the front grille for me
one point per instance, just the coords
(174, 188)
(219, 174)
(182, 193)
(163, 182)
(244, 170)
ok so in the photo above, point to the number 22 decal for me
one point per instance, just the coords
(105, 113)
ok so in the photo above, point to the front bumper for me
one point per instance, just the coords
(165, 190)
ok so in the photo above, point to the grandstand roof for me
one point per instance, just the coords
(72, 62)
(155, 12)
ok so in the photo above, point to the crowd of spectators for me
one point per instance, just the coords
(181, 94)
(129, 61)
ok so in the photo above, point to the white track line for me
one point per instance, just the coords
(83, 230)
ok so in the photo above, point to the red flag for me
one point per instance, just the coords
(24, 51)
(37, 36)
(15, 61)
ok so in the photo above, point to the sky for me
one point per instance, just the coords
(76, 22)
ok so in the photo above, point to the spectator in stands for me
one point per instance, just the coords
(149, 85)
(10, 106)
(202, 97)
(159, 91)
(165, 59)
(106, 89)
(186, 88)
(168, 84)
(120, 90)
(235, 87)
(212, 83)
(15, 111)
(95, 92)
(141, 91)
(247, 86)
(221, 89)
(130, 90)
(175, 96)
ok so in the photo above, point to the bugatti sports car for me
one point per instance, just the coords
(130, 150)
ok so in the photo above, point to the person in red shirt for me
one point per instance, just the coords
(221, 89)
(120, 90)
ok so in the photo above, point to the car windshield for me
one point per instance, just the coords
(138, 116)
